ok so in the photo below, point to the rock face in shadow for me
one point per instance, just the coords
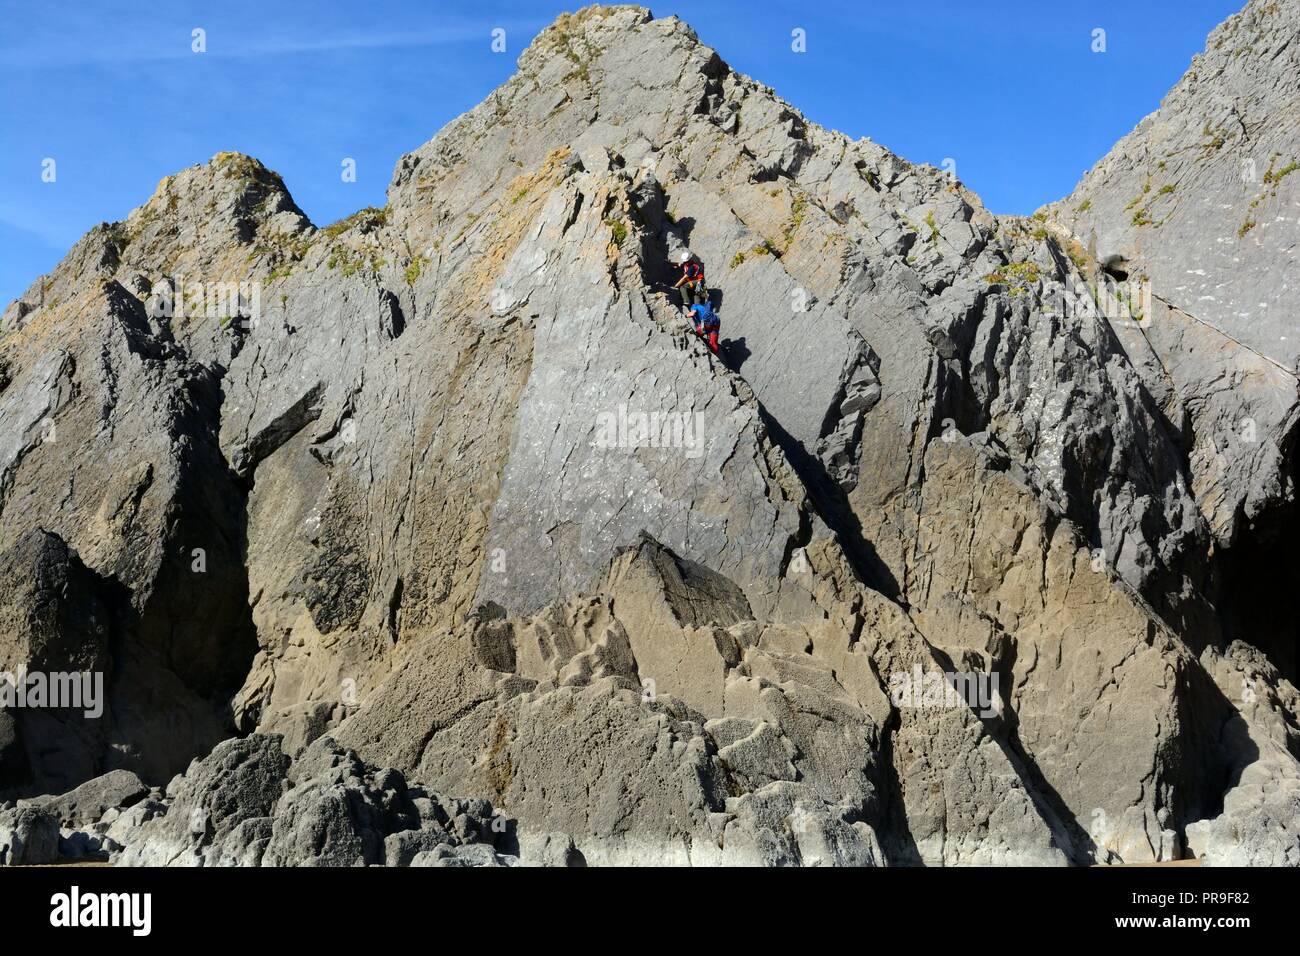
(57, 616)
(247, 804)
(1194, 211)
(446, 498)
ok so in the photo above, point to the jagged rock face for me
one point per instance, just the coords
(247, 804)
(1198, 207)
(619, 717)
(1201, 197)
(651, 736)
(462, 494)
(55, 615)
(1020, 586)
(799, 229)
(113, 455)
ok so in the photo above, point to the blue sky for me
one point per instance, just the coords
(1009, 89)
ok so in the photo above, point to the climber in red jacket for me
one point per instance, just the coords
(692, 281)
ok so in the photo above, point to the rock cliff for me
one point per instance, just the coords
(956, 556)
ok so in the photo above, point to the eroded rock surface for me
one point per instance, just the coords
(444, 499)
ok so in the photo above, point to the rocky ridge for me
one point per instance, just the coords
(384, 525)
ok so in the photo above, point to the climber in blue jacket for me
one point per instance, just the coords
(707, 324)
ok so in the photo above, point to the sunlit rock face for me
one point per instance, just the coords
(954, 556)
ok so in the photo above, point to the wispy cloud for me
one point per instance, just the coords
(222, 45)
(43, 230)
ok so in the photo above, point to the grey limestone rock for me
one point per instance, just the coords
(445, 498)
